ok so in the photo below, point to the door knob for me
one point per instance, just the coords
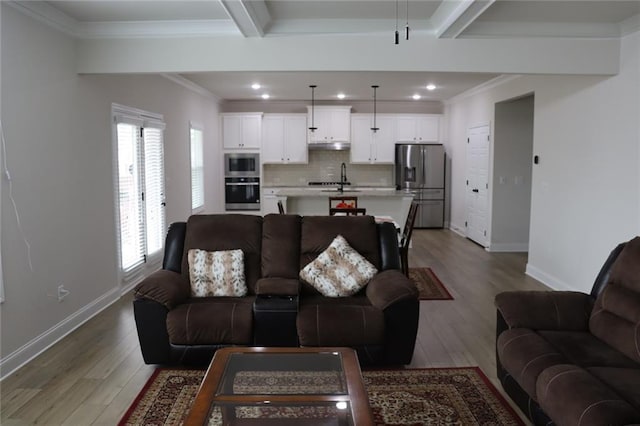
(475, 190)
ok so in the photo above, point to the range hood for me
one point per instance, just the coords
(329, 146)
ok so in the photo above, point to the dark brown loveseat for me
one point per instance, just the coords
(569, 358)
(380, 321)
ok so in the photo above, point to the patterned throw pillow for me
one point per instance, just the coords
(339, 271)
(217, 273)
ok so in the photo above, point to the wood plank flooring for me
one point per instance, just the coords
(95, 373)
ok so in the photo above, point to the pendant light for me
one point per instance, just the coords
(374, 128)
(406, 27)
(397, 35)
(313, 128)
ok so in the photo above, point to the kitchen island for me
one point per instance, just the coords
(315, 201)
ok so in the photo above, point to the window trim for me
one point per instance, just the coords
(196, 126)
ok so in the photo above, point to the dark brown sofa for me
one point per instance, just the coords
(380, 321)
(570, 358)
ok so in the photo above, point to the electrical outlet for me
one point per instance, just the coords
(62, 292)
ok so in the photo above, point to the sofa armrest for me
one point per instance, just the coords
(165, 287)
(389, 287)
(545, 310)
(277, 287)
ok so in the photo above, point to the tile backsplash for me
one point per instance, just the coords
(325, 166)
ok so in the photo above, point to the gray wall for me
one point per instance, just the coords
(512, 159)
(59, 152)
(286, 107)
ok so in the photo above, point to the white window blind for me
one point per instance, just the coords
(197, 169)
(154, 189)
(140, 189)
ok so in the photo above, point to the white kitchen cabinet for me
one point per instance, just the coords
(241, 130)
(418, 128)
(284, 139)
(333, 123)
(369, 147)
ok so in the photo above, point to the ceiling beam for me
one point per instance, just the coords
(250, 16)
(453, 17)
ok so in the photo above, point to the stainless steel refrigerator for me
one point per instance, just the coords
(420, 170)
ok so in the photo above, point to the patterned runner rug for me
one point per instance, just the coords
(429, 285)
(434, 396)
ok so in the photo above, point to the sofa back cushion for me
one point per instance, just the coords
(226, 232)
(616, 315)
(281, 246)
(318, 232)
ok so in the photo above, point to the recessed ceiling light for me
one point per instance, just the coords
(416, 96)
(265, 96)
(341, 95)
(431, 87)
(255, 86)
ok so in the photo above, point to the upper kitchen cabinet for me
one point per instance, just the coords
(371, 147)
(418, 128)
(284, 139)
(332, 122)
(241, 130)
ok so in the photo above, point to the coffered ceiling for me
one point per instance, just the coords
(277, 20)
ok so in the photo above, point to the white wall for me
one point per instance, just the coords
(59, 152)
(512, 159)
(586, 189)
(293, 107)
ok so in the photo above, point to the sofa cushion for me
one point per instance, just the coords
(624, 381)
(227, 232)
(339, 271)
(571, 395)
(349, 321)
(585, 350)
(616, 314)
(208, 321)
(525, 354)
(317, 232)
(216, 273)
(281, 246)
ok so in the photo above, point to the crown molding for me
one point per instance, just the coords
(488, 85)
(48, 15)
(190, 85)
(630, 25)
(156, 29)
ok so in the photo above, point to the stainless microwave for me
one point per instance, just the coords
(242, 165)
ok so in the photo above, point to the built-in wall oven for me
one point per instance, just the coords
(242, 181)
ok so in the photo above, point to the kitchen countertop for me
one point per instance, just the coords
(328, 192)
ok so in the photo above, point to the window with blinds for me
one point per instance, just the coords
(140, 188)
(197, 169)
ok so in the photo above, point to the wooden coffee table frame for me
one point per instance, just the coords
(356, 394)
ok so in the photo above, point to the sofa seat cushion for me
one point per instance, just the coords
(571, 395)
(524, 354)
(210, 321)
(585, 350)
(348, 321)
(624, 381)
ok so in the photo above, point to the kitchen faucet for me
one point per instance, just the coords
(343, 176)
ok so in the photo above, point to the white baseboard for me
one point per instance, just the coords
(458, 230)
(508, 247)
(33, 348)
(546, 279)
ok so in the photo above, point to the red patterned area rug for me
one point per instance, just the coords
(433, 396)
(429, 286)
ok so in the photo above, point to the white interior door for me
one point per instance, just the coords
(478, 184)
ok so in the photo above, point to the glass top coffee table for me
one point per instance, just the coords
(282, 386)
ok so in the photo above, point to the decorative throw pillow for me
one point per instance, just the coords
(217, 273)
(339, 271)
